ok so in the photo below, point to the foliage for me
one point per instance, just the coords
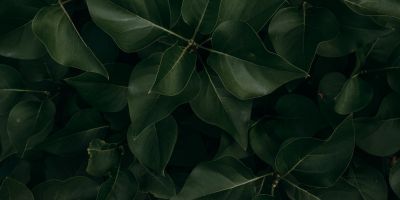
(199, 99)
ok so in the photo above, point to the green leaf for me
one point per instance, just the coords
(82, 128)
(121, 186)
(247, 69)
(12, 189)
(29, 123)
(354, 96)
(394, 179)
(242, 192)
(318, 162)
(393, 80)
(341, 190)
(215, 176)
(16, 37)
(254, 12)
(216, 106)
(55, 29)
(102, 157)
(175, 71)
(10, 82)
(154, 145)
(264, 145)
(105, 95)
(296, 34)
(369, 182)
(378, 135)
(133, 25)
(160, 186)
(78, 187)
(146, 109)
(201, 14)
(296, 192)
(355, 31)
(375, 8)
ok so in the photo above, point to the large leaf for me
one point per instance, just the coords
(56, 31)
(102, 157)
(394, 179)
(154, 145)
(78, 187)
(296, 34)
(159, 186)
(16, 37)
(122, 185)
(296, 192)
(29, 123)
(378, 135)
(375, 8)
(132, 24)
(369, 182)
(14, 190)
(146, 109)
(354, 96)
(216, 106)
(316, 162)
(247, 69)
(341, 190)
(175, 71)
(10, 83)
(201, 14)
(82, 128)
(215, 176)
(105, 95)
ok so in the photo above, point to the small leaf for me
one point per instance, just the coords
(215, 176)
(296, 34)
(82, 128)
(247, 69)
(394, 179)
(154, 145)
(10, 80)
(102, 157)
(133, 25)
(29, 123)
(12, 189)
(55, 30)
(146, 109)
(78, 187)
(105, 95)
(354, 96)
(316, 162)
(122, 185)
(175, 71)
(216, 106)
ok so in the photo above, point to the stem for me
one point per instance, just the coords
(261, 186)
(376, 70)
(27, 91)
(275, 184)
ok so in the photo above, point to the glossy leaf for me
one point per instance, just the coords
(121, 186)
(215, 176)
(29, 123)
(56, 31)
(247, 69)
(146, 109)
(133, 25)
(175, 71)
(354, 96)
(12, 189)
(317, 162)
(374, 8)
(154, 145)
(216, 106)
(102, 157)
(105, 95)
(201, 14)
(264, 145)
(82, 128)
(78, 187)
(10, 82)
(296, 34)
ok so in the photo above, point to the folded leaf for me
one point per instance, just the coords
(54, 28)
(247, 69)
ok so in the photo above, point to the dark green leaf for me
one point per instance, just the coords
(247, 69)
(56, 31)
(102, 157)
(121, 186)
(13, 190)
(10, 84)
(369, 182)
(394, 179)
